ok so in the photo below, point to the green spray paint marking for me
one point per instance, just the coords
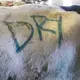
(60, 31)
(40, 28)
(29, 26)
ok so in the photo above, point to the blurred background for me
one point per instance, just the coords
(50, 2)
